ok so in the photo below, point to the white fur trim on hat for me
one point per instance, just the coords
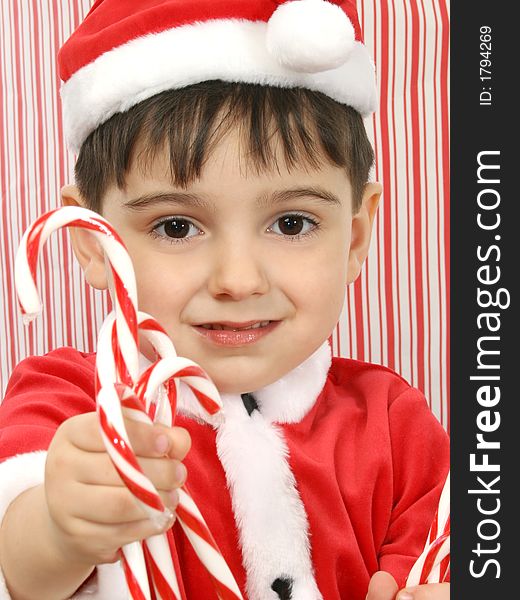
(230, 50)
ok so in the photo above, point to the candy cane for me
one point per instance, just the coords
(124, 346)
(124, 289)
(125, 299)
(184, 370)
(433, 564)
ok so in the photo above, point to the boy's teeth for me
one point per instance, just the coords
(219, 327)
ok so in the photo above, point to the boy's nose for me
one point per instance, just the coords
(237, 272)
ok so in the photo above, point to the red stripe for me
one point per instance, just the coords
(120, 363)
(208, 403)
(434, 528)
(193, 523)
(223, 592)
(425, 248)
(176, 563)
(360, 342)
(33, 246)
(140, 493)
(431, 557)
(440, 248)
(389, 193)
(396, 207)
(368, 320)
(191, 371)
(445, 569)
(127, 306)
(134, 588)
(151, 325)
(417, 191)
(409, 198)
(132, 402)
(427, 202)
(162, 586)
(445, 130)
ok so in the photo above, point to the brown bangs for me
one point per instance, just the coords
(308, 126)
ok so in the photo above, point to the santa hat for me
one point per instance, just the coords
(128, 50)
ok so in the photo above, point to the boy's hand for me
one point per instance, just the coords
(92, 513)
(384, 587)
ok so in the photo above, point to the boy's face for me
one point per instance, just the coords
(245, 271)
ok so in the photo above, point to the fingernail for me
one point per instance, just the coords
(169, 520)
(405, 596)
(162, 443)
(181, 473)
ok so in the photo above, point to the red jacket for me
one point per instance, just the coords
(368, 458)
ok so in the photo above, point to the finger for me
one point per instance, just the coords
(431, 591)
(83, 431)
(158, 440)
(382, 586)
(109, 505)
(97, 469)
(102, 542)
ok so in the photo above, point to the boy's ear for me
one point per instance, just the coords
(361, 232)
(85, 246)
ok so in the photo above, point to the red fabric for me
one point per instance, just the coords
(369, 459)
(112, 23)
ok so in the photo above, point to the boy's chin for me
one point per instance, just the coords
(242, 384)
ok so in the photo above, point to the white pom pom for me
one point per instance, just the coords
(310, 35)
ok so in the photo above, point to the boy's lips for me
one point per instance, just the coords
(232, 333)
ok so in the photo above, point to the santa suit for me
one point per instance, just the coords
(309, 485)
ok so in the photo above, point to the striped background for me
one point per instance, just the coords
(397, 313)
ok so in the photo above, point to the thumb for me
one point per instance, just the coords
(382, 586)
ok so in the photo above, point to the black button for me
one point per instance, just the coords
(283, 587)
(249, 402)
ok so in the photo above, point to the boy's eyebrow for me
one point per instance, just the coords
(268, 199)
(299, 192)
(147, 200)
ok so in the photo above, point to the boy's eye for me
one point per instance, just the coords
(176, 228)
(293, 224)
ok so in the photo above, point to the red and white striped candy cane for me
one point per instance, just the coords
(123, 289)
(190, 517)
(125, 299)
(124, 346)
(433, 564)
(123, 285)
(186, 371)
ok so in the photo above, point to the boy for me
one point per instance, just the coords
(224, 141)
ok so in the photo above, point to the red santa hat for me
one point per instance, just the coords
(128, 50)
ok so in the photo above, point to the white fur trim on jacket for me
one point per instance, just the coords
(24, 471)
(269, 513)
(227, 49)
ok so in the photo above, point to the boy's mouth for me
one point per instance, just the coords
(229, 326)
(229, 333)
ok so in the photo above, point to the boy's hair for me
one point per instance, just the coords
(189, 122)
